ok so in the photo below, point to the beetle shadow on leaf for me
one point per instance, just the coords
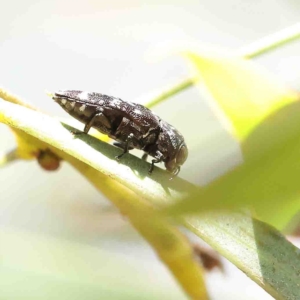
(137, 165)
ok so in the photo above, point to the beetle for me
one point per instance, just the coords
(132, 125)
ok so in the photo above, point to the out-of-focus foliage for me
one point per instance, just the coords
(100, 160)
(37, 267)
(260, 112)
(265, 117)
(246, 93)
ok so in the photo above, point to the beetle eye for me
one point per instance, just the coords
(182, 155)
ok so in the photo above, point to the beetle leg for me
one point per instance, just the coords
(126, 146)
(157, 160)
(121, 145)
(177, 171)
(91, 121)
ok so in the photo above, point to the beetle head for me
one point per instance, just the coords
(174, 164)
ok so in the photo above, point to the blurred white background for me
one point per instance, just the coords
(110, 47)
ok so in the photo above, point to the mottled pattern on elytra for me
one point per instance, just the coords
(120, 119)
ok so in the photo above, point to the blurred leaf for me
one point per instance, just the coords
(245, 92)
(7, 96)
(171, 246)
(266, 118)
(37, 267)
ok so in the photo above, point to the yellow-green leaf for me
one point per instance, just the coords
(233, 236)
(265, 116)
(245, 92)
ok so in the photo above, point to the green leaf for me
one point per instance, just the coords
(232, 235)
(265, 117)
(256, 248)
(245, 92)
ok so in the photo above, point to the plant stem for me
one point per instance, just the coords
(179, 87)
(271, 42)
(252, 50)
